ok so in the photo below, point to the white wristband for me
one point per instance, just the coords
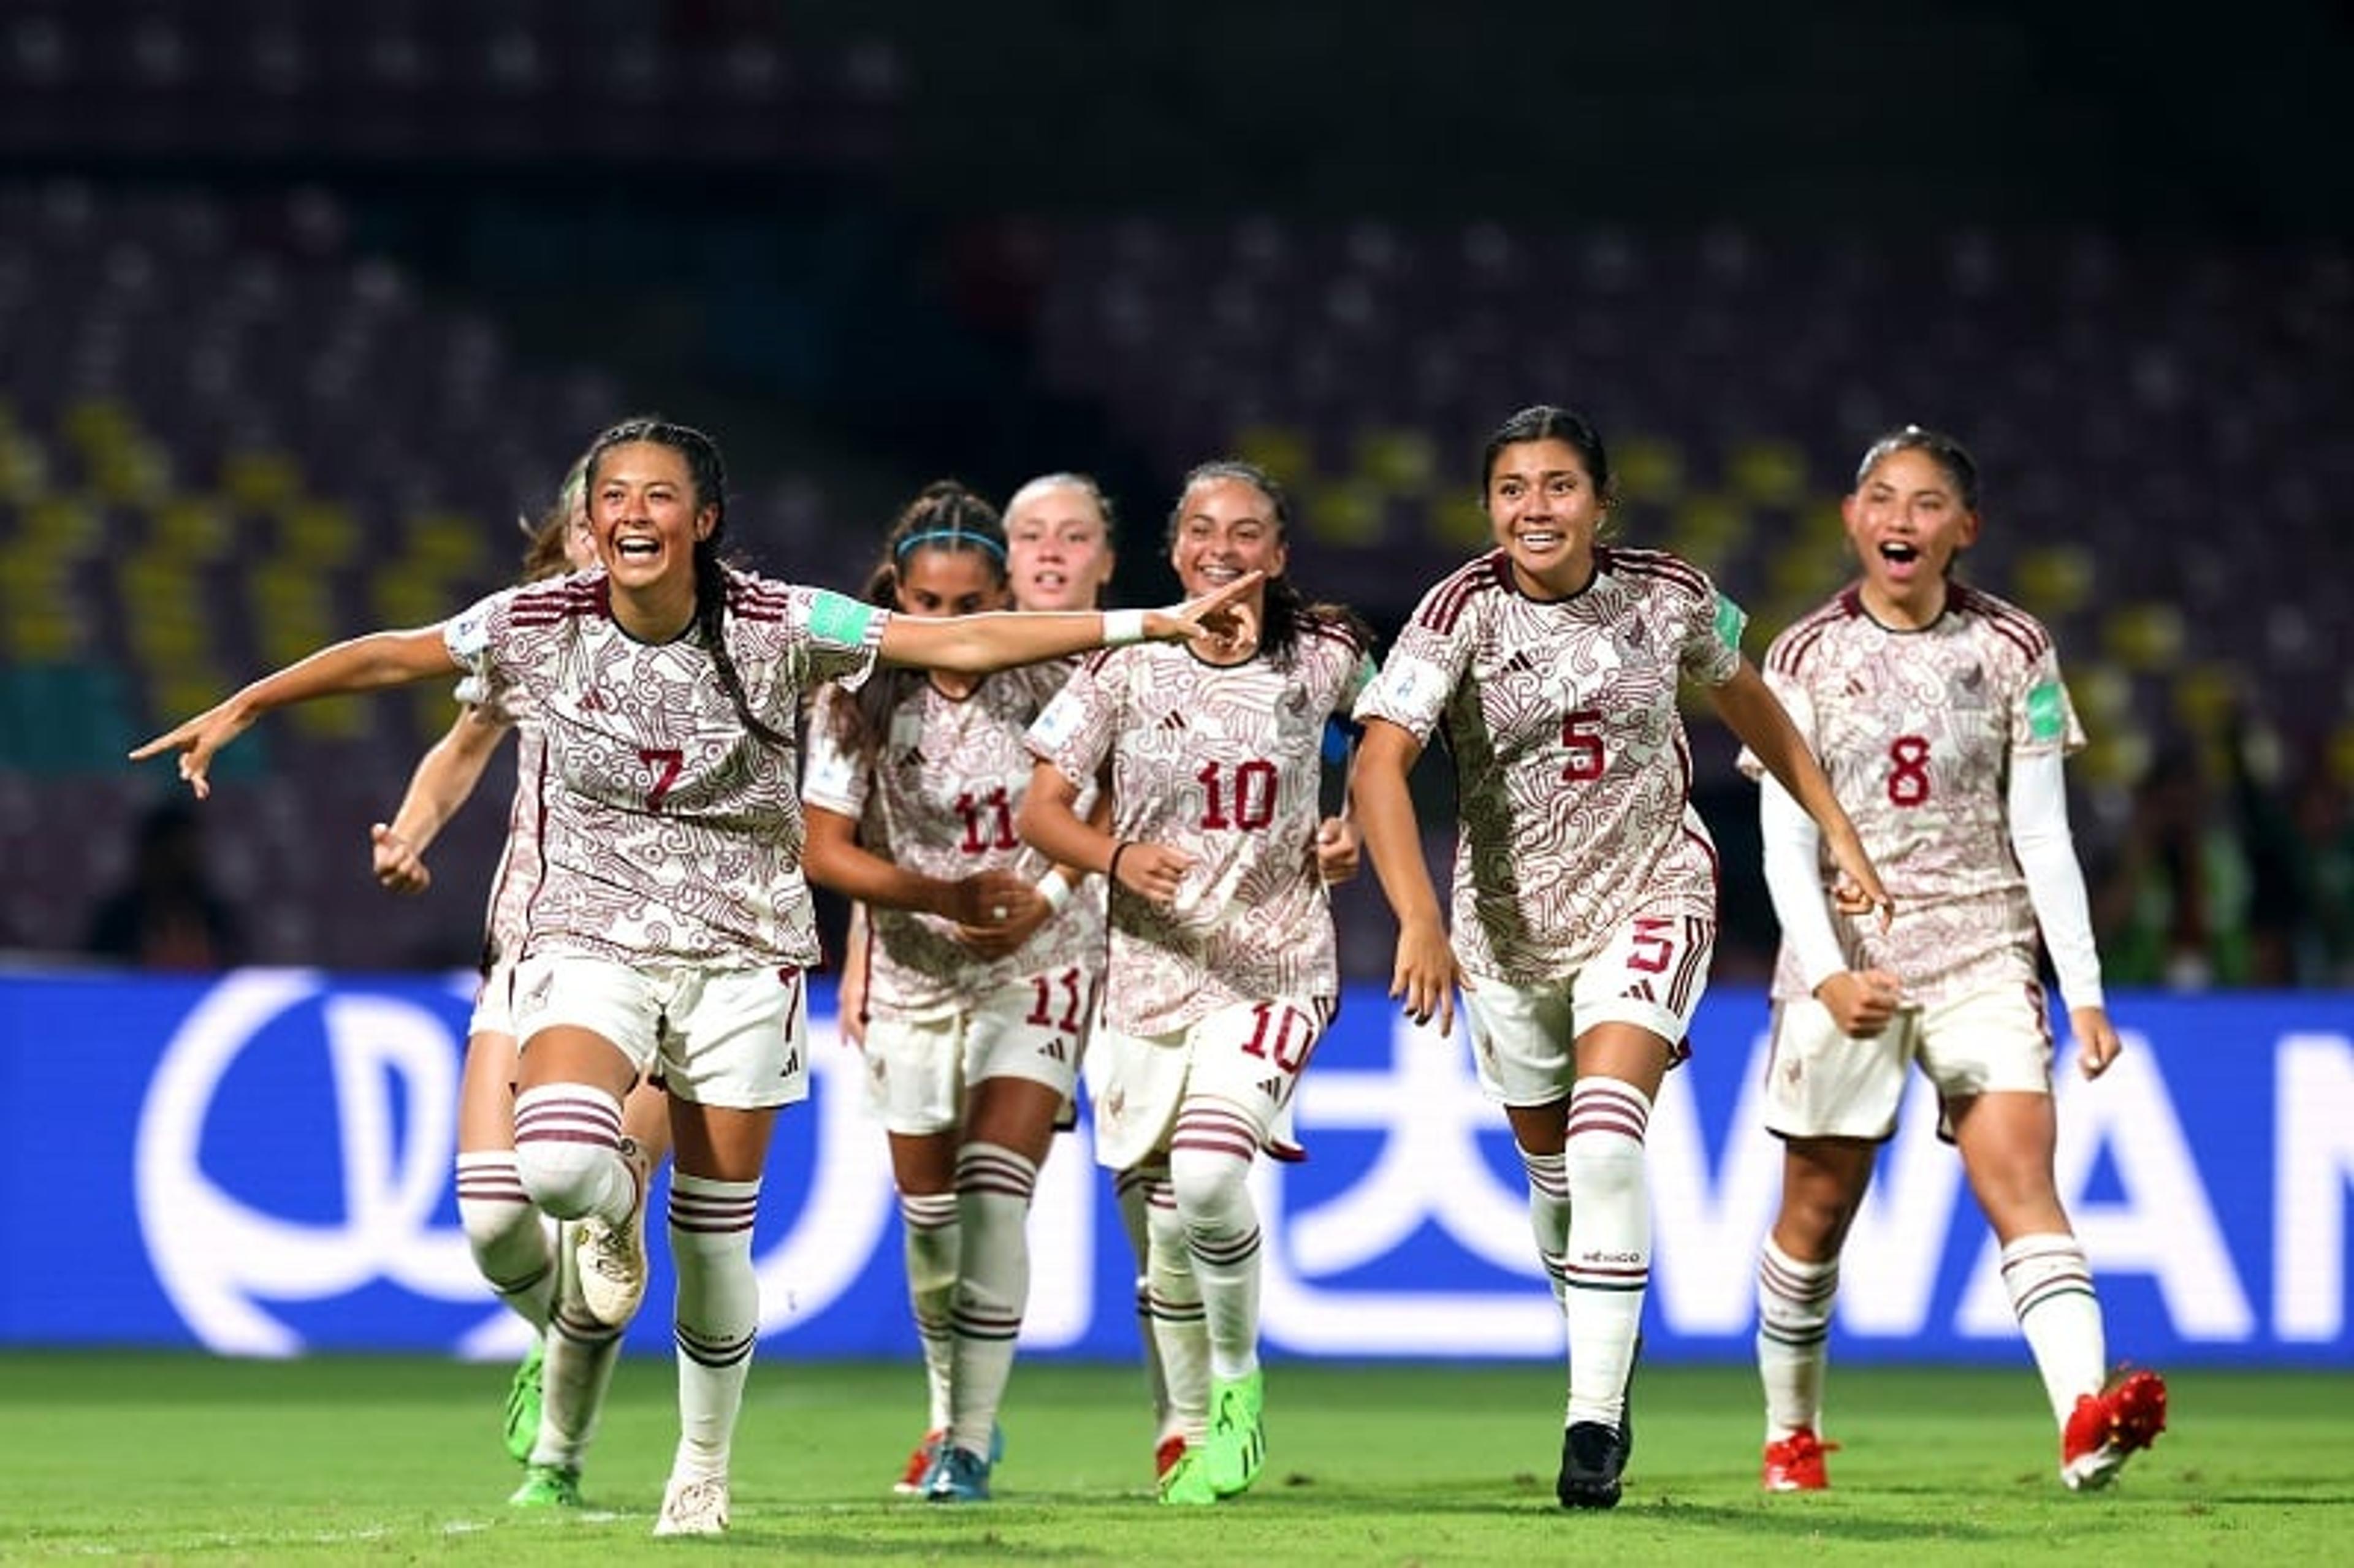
(1122, 627)
(1054, 890)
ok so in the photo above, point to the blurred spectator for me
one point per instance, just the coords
(2322, 856)
(167, 917)
(2173, 909)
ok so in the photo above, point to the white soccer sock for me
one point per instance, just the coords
(934, 1244)
(1210, 1155)
(1132, 1188)
(569, 1152)
(1794, 1326)
(1548, 1177)
(581, 1353)
(1608, 1264)
(506, 1234)
(993, 1190)
(1180, 1327)
(718, 1318)
(2051, 1287)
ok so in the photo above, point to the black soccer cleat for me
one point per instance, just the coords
(1593, 1458)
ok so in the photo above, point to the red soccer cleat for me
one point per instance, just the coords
(1796, 1463)
(2105, 1427)
(1165, 1456)
(920, 1465)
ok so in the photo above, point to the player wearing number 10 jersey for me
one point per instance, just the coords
(1939, 714)
(1585, 884)
(1223, 969)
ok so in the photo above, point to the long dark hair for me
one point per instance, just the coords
(944, 516)
(1288, 614)
(707, 473)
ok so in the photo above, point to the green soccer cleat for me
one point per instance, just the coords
(1238, 1444)
(1186, 1483)
(548, 1485)
(524, 1401)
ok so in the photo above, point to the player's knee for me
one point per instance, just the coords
(1603, 1165)
(565, 1179)
(1212, 1189)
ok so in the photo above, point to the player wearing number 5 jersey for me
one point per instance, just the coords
(1584, 894)
(672, 927)
(1223, 968)
(1939, 714)
(979, 966)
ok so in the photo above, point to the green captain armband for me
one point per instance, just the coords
(840, 619)
(1731, 620)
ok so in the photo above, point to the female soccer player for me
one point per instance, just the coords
(674, 926)
(973, 1031)
(1939, 714)
(553, 1403)
(1222, 970)
(1585, 883)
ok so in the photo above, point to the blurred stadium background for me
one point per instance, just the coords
(301, 305)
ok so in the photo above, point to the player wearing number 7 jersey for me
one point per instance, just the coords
(1585, 901)
(1939, 714)
(979, 966)
(1223, 969)
(673, 927)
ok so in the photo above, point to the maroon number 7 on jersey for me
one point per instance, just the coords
(665, 761)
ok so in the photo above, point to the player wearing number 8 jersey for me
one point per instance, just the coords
(672, 924)
(979, 966)
(1223, 968)
(1939, 714)
(1584, 888)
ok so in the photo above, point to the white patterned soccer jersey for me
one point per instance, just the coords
(1224, 764)
(1917, 731)
(671, 831)
(1573, 771)
(938, 800)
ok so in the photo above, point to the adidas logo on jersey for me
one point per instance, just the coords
(1272, 1088)
(1054, 1050)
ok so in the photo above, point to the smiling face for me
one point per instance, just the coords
(1225, 528)
(1545, 510)
(934, 581)
(646, 519)
(1058, 550)
(1907, 520)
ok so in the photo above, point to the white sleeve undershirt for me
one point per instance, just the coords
(2056, 881)
(1794, 881)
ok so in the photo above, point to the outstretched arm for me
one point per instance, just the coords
(359, 665)
(1426, 974)
(1755, 714)
(1000, 639)
(445, 777)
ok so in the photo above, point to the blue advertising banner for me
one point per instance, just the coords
(260, 1164)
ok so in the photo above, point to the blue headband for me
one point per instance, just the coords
(950, 538)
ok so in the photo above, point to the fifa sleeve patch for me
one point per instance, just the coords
(1054, 727)
(840, 619)
(2047, 712)
(1731, 621)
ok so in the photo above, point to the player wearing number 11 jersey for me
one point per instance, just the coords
(1585, 884)
(980, 967)
(1938, 712)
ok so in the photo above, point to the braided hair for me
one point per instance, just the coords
(707, 472)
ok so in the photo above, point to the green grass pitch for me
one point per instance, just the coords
(151, 1458)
